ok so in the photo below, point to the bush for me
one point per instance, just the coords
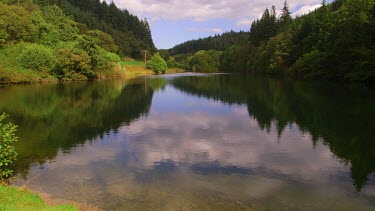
(180, 61)
(36, 57)
(311, 64)
(157, 64)
(70, 62)
(106, 60)
(7, 152)
(203, 62)
(15, 24)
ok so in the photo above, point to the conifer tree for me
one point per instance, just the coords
(285, 18)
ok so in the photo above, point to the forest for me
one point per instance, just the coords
(218, 42)
(335, 41)
(64, 40)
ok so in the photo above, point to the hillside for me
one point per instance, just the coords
(129, 33)
(43, 43)
(218, 42)
(336, 41)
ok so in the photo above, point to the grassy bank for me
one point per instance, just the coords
(132, 63)
(15, 75)
(135, 69)
(13, 198)
(11, 74)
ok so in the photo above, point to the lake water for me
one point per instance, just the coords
(197, 142)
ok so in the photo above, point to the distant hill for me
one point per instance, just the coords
(218, 42)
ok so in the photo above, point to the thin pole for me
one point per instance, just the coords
(145, 58)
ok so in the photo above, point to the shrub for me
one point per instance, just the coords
(69, 62)
(36, 57)
(7, 152)
(203, 62)
(311, 65)
(106, 60)
(15, 24)
(157, 64)
(60, 25)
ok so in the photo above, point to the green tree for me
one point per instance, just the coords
(36, 57)
(66, 28)
(285, 18)
(157, 64)
(69, 62)
(264, 28)
(279, 59)
(218, 42)
(130, 33)
(15, 24)
(206, 61)
(164, 54)
(235, 59)
(8, 153)
(104, 40)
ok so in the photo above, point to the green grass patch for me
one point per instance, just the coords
(12, 198)
(133, 63)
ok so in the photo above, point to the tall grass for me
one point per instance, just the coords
(136, 71)
(132, 63)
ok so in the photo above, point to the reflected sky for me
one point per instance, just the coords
(191, 152)
(206, 131)
(209, 142)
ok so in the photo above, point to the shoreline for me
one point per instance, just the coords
(46, 199)
(52, 80)
(131, 72)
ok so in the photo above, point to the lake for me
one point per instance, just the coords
(197, 142)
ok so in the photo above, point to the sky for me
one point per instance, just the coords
(176, 21)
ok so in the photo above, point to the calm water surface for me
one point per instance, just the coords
(197, 142)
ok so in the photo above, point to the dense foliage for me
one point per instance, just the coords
(335, 41)
(130, 34)
(206, 61)
(8, 153)
(84, 111)
(36, 57)
(42, 41)
(181, 61)
(157, 64)
(217, 42)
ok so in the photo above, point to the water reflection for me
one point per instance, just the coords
(342, 117)
(55, 118)
(210, 142)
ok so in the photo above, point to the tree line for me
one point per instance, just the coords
(335, 41)
(130, 33)
(53, 40)
(218, 42)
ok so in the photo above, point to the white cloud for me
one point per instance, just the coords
(306, 9)
(244, 22)
(242, 11)
(215, 30)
